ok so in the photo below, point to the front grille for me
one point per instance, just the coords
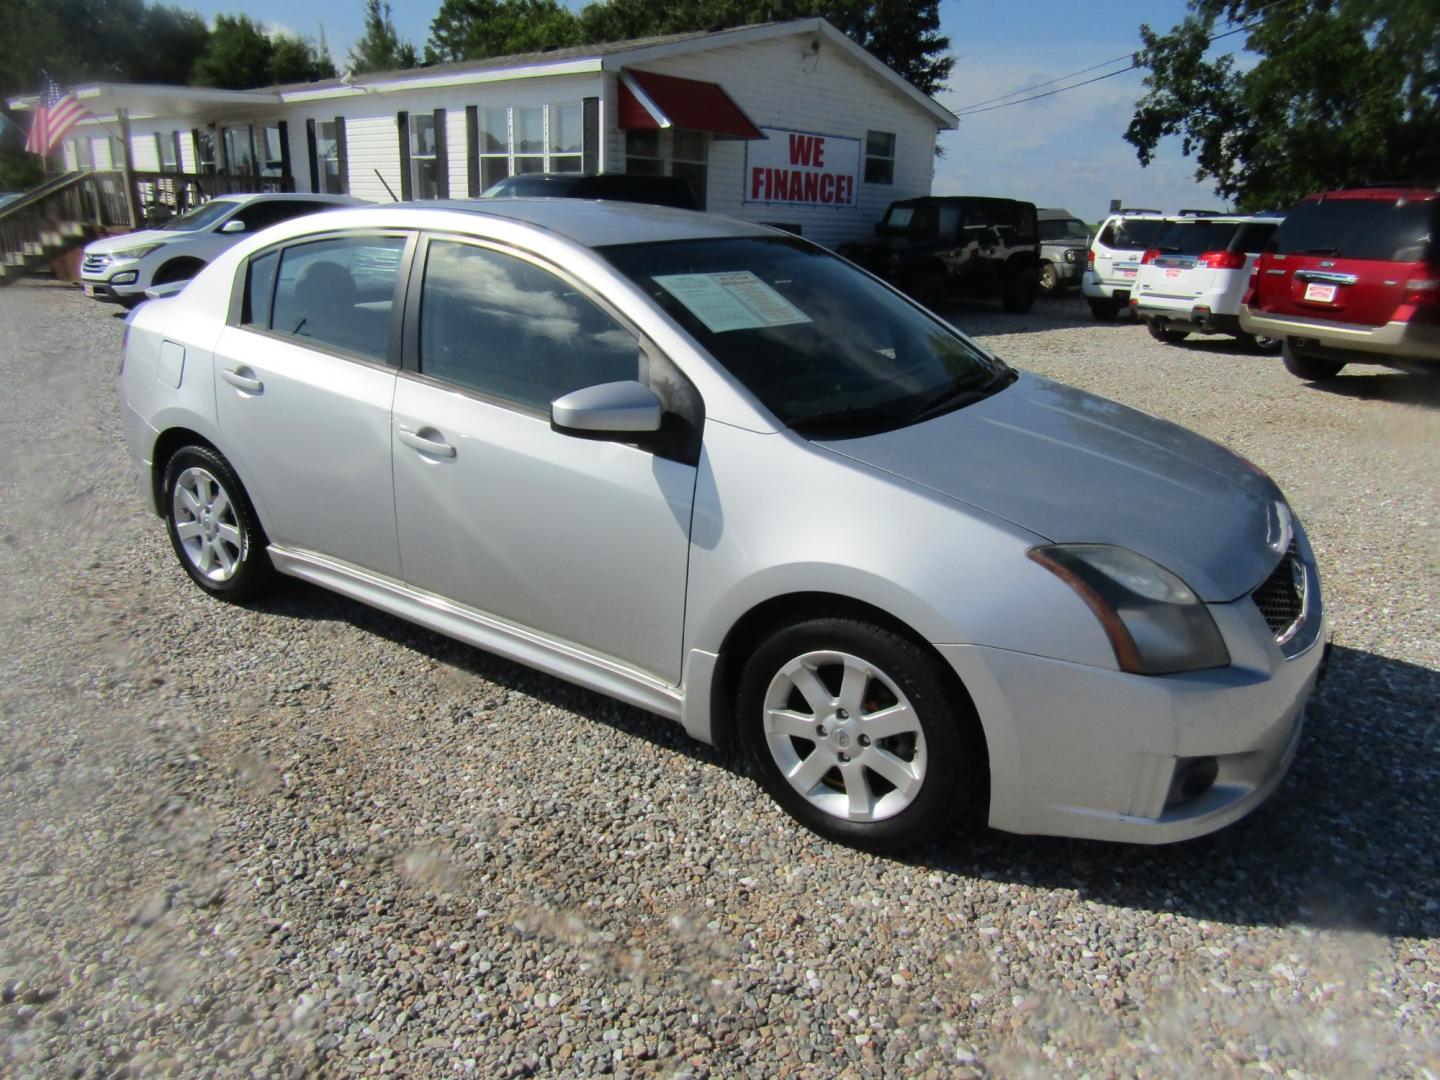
(1281, 596)
(95, 263)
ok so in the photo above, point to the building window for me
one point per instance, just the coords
(529, 139)
(273, 144)
(205, 159)
(167, 148)
(494, 147)
(117, 153)
(424, 163)
(565, 138)
(669, 153)
(688, 159)
(879, 157)
(84, 153)
(330, 176)
(239, 153)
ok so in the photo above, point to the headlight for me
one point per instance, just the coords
(1155, 623)
(136, 253)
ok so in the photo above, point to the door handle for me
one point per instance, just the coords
(240, 381)
(435, 447)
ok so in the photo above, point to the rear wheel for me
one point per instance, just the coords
(1254, 343)
(928, 289)
(1160, 332)
(853, 731)
(1307, 366)
(212, 526)
(1105, 310)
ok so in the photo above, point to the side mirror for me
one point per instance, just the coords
(609, 409)
(234, 225)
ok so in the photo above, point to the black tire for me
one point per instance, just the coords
(944, 749)
(928, 289)
(177, 270)
(1105, 310)
(1160, 332)
(227, 556)
(1305, 366)
(1021, 288)
(1049, 279)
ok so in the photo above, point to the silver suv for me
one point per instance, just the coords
(1064, 239)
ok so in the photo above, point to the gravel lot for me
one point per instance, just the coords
(305, 837)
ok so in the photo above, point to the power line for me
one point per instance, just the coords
(976, 108)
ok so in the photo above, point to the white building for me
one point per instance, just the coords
(786, 122)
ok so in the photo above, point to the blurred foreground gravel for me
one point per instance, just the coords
(308, 838)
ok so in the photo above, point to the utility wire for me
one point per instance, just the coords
(976, 108)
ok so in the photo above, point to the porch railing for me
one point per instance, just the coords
(59, 215)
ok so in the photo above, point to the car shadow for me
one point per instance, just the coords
(1338, 845)
(1417, 386)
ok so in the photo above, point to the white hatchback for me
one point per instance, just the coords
(1193, 280)
(119, 269)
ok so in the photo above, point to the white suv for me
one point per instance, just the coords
(1193, 280)
(1114, 258)
(119, 269)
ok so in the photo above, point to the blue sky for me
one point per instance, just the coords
(1065, 150)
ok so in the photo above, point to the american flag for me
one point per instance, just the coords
(58, 113)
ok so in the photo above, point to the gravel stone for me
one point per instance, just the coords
(304, 837)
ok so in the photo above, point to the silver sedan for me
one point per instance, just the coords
(719, 473)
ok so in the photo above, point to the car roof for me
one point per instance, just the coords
(1388, 192)
(298, 196)
(597, 222)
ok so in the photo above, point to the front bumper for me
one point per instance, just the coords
(1097, 754)
(112, 281)
(1402, 340)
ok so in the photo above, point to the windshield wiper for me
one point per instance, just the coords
(960, 395)
(868, 418)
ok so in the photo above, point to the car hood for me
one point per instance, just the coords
(112, 244)
(1077, 468)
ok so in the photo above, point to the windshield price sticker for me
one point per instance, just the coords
(733, 300)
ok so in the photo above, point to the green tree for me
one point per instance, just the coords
(473, 29)
(1344, 91)
(380, 49)
(904, 35)
(240, 56)
(165, 45)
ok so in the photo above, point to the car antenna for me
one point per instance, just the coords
(388, 190)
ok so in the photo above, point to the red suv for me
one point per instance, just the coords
(1351, 276)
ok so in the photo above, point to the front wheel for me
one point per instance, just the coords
(1049, 279)
(212, 526)
(853, 731)
(1305, 366)
(1160, 332)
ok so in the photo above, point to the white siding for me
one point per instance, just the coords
(779, 84)
(456, 150)
(373, 144)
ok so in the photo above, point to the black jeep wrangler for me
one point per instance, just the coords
(940, 246)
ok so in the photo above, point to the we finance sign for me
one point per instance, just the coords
(801, 168)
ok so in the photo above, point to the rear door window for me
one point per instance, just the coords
(1376, 229)
(1197, 237)
(1136, 233)
(338, 293)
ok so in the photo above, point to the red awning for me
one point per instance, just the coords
(649, 101)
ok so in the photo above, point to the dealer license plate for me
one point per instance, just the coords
(1325, 294)
(1127, 268)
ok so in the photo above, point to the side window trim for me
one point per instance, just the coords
(399, 297)
(658, 366)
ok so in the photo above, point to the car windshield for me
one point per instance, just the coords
(199, 217)
(827, 349)
(1064, 229)
(1196, 237)
(902, 220)
(1382, 229)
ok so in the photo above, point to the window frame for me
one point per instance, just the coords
(482, 155)
(690, 407)
(397, 302)
(889, 160)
